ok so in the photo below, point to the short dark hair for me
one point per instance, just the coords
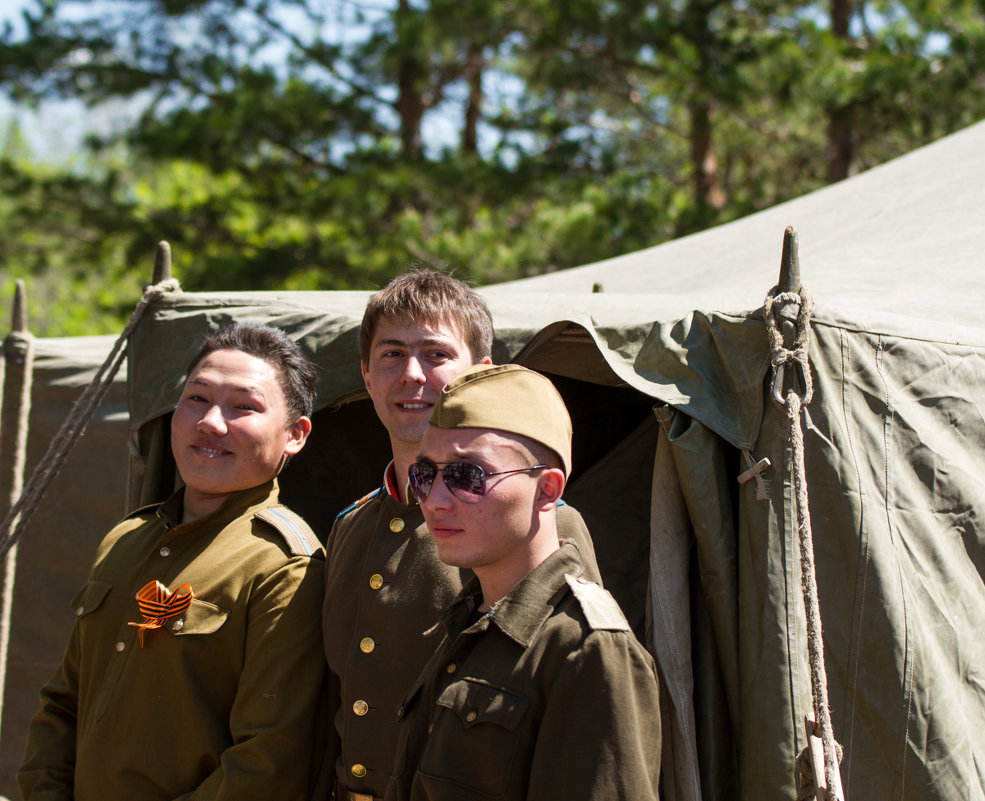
(425, 295)
(295, 371)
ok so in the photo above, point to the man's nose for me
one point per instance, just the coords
(213, 420)
(414, 371)
(440, 497)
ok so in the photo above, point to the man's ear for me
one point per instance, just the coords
(297, 435)
(549, 488)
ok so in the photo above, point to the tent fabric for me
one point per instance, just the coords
(666, 375)
(54, 555)
(898, 246)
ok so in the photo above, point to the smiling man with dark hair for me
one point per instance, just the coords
(194, 670)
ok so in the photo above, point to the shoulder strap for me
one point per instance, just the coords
(353, 506)
(300, 539)
(600, 608)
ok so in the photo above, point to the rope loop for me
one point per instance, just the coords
(796, 356)
(20, 338)
(807, 786)
(17, 345)
(793, 402)
(75, 424)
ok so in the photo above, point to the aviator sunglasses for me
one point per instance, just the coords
(466, 481)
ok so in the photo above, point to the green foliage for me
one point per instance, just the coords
(320, 144)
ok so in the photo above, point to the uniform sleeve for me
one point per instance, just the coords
(600, 733)
(49, 762)
(277, 718)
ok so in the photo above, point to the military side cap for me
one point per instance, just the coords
(510, 398)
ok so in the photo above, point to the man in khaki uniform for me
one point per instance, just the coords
(384, 583)
(194, 669)
(539, 689)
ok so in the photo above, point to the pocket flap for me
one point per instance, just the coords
(477, 701)
(200, 618)
(90, 597)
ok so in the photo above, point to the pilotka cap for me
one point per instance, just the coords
(510, 398)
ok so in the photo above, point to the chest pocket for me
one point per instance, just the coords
(200, 618)
(476, 737)
(90, 597)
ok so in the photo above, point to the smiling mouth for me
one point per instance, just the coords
(209, 452)
(413, 407)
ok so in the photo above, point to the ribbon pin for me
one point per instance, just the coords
(157, 604)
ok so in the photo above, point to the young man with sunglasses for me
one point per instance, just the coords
(384, 584)
(539, 689)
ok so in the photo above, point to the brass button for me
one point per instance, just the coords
(80, 611)
(178, 625)
(470, 717)
(358, 770)
(367, 644)
(397, 525)
(120, 646)
(451, 667)
(165, 551)
(375, 581)
(360, 707)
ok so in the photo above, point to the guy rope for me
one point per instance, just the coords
(797, 357)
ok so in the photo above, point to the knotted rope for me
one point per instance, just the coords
(20, 514)
(797, 356)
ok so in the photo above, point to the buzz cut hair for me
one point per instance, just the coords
(296, 373)
(426, 295)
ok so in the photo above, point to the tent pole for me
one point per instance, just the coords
(162, 263)
(18, 356)
(790, 262)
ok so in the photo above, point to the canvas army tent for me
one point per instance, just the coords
(666, 374)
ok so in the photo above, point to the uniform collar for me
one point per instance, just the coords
(525, 608)
(390, 485)
(234, 506)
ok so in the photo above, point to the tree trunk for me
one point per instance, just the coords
(841, 119)
(704, 162)
(410, 103)
(473, 109)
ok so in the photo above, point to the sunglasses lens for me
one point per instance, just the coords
(422, 475)
(465, 480)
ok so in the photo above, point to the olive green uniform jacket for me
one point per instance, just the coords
(547, 697)
(384, 588)
(220, 702)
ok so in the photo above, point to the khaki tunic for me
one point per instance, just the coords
(384, 588)
(550, 696)
(220, 703)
